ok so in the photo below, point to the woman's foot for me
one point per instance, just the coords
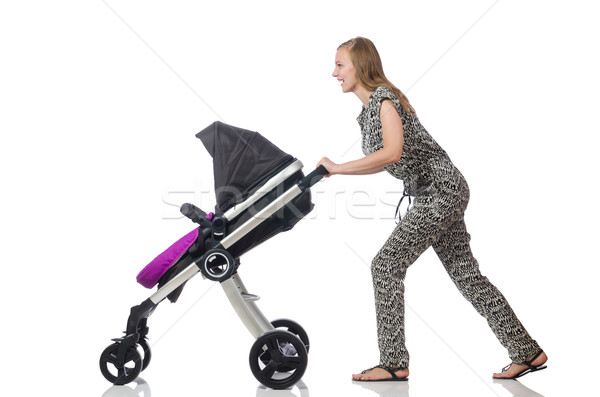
(533, 363)
(381, 374)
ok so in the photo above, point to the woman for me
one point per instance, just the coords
(394, 140)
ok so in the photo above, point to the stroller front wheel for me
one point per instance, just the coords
(147, 353)
(116, 373)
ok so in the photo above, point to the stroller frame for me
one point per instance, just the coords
(278, 358)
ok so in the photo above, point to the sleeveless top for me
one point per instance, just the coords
(423, 164)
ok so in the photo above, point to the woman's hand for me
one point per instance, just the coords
(357, 167)
(329, 166)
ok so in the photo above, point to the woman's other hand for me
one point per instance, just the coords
(329, 165)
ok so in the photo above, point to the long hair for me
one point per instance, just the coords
(369, 69)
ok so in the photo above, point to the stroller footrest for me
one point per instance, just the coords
(250, 297)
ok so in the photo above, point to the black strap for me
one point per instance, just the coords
(404, 195)
(530, 362)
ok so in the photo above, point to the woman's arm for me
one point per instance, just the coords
(393, 140)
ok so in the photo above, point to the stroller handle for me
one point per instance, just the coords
(311, 179)
(195, 214)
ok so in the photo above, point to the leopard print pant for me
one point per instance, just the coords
(437, 219)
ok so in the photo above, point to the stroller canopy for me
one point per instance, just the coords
(241, 160)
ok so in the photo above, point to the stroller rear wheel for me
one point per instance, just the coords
(120, 374)
(294, 328)
(278, 359)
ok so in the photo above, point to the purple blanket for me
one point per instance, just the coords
(150, 275)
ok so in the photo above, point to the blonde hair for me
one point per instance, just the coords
(369, 69)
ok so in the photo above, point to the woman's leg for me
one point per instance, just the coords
(413, 235)
(454, 251)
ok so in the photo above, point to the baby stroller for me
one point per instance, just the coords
(260, 192)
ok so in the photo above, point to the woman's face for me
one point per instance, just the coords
(344, 70)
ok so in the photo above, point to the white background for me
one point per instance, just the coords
(99, 104)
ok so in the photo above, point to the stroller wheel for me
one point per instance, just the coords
(294, 328)
(147, 353)
(278, 359)
(291, 327)
(120, 375)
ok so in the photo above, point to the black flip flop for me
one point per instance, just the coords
(391, 371)
(530, 367)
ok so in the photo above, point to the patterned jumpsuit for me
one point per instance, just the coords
(435, 219)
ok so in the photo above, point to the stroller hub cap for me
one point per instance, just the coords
(217, 265)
